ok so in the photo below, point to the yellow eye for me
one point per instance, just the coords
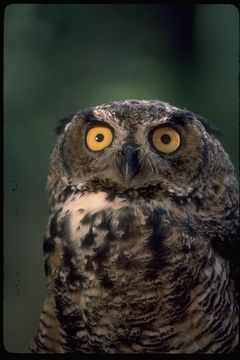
(98, 138)
(166, 140)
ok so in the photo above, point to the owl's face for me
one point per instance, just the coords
(135, 144)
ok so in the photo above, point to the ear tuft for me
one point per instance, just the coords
(62, 124)
(210, 128)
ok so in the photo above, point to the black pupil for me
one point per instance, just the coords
(166, 139)
(99, 137)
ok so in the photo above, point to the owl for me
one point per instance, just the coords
(140, 247)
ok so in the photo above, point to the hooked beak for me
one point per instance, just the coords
(129, 164)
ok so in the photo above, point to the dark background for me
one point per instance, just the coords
(59, 59)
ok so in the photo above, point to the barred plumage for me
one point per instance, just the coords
(138, 247)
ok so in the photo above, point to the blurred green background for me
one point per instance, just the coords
(59, 59)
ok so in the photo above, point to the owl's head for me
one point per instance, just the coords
(136, 144)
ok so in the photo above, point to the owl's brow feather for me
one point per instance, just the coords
(88, 115)
(182, 117)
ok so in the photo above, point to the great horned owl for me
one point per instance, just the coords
(140, 247)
